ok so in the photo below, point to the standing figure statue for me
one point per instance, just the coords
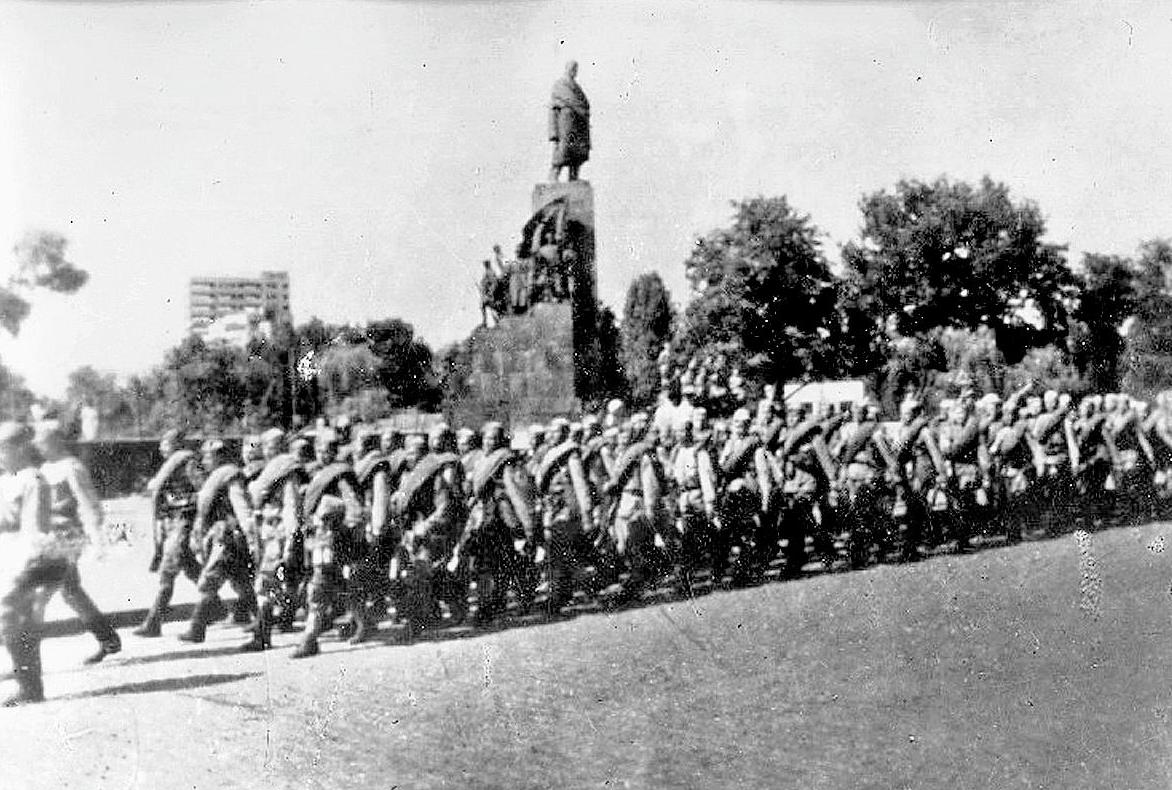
(569, 124)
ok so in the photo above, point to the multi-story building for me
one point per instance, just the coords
(260, 299)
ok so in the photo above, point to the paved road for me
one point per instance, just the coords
(1041, 665)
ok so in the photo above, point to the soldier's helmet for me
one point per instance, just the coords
(465, 440)
(494, 437)
(416, 448)
(741, 418)
(301, 449)
(250, 449)
(441, 439)
(325, 446)
(616, 413)
(637, 426)
(1050, 399)
(909, 409)
(559, 430)
(214, 453)
(272, 442)
(170, 441)
(366, 442)
(391, 439)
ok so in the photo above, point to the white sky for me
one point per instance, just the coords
(377, 150)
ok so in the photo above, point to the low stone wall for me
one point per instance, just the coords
(121, 467)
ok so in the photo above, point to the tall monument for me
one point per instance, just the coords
(541, 359)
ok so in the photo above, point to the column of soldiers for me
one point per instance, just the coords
(444, 528)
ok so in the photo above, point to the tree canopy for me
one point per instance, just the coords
(647, 324)
(948, 254)
(763, 294)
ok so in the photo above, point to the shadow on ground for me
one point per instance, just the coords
(161, 684)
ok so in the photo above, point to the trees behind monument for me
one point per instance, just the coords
(947, 284)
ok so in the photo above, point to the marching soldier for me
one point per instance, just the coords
(500, 529)
(173, 505)
(635, 489)
(276, 499)
(430, 501)
(959, 444)
(333, 513)
(744, 508)
(223, 532)
(76, 517)
(864, 462)
(370, 582)
(694, 473)
(34, 556)
(568, 511)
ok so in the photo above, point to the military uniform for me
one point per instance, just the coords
(223, 531)
(568, 509)
(276, 499)
(333, 541)
(75, 513)
(173, 504)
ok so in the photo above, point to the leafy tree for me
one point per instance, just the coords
(1106, 300)
(1051, 367)
(1147, 361)
(100, 390)
(763, 295)
(647, 325)
(39, 263)
(947, 254)
(611, 380)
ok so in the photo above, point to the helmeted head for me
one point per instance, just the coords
(365, 442)
(465, 440)
(577, 432)
(441, 439)
(493, 436)
(1050, 400)
(272, 443)
(740, 423)
(301, 449)
(536, 435)
(591, 427)
(616, 413)
(909, 410)
(559, 430)
(638, 425)
(171, 441)
(250, 449)
(390, 440)
(214, 453)
(325, 446)
(416, 448)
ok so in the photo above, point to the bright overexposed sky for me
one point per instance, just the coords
(377, 151)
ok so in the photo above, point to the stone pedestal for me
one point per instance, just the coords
(544, 363)
(520, 371)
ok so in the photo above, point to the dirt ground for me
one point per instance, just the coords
(1035, 666)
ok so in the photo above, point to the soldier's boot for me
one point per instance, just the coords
(152, 626)
(25, 651)
(262, 631)
(363, 620)
(313, 629)
(197, 629)
(242, 612)
(109, 643)
(217, 610)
